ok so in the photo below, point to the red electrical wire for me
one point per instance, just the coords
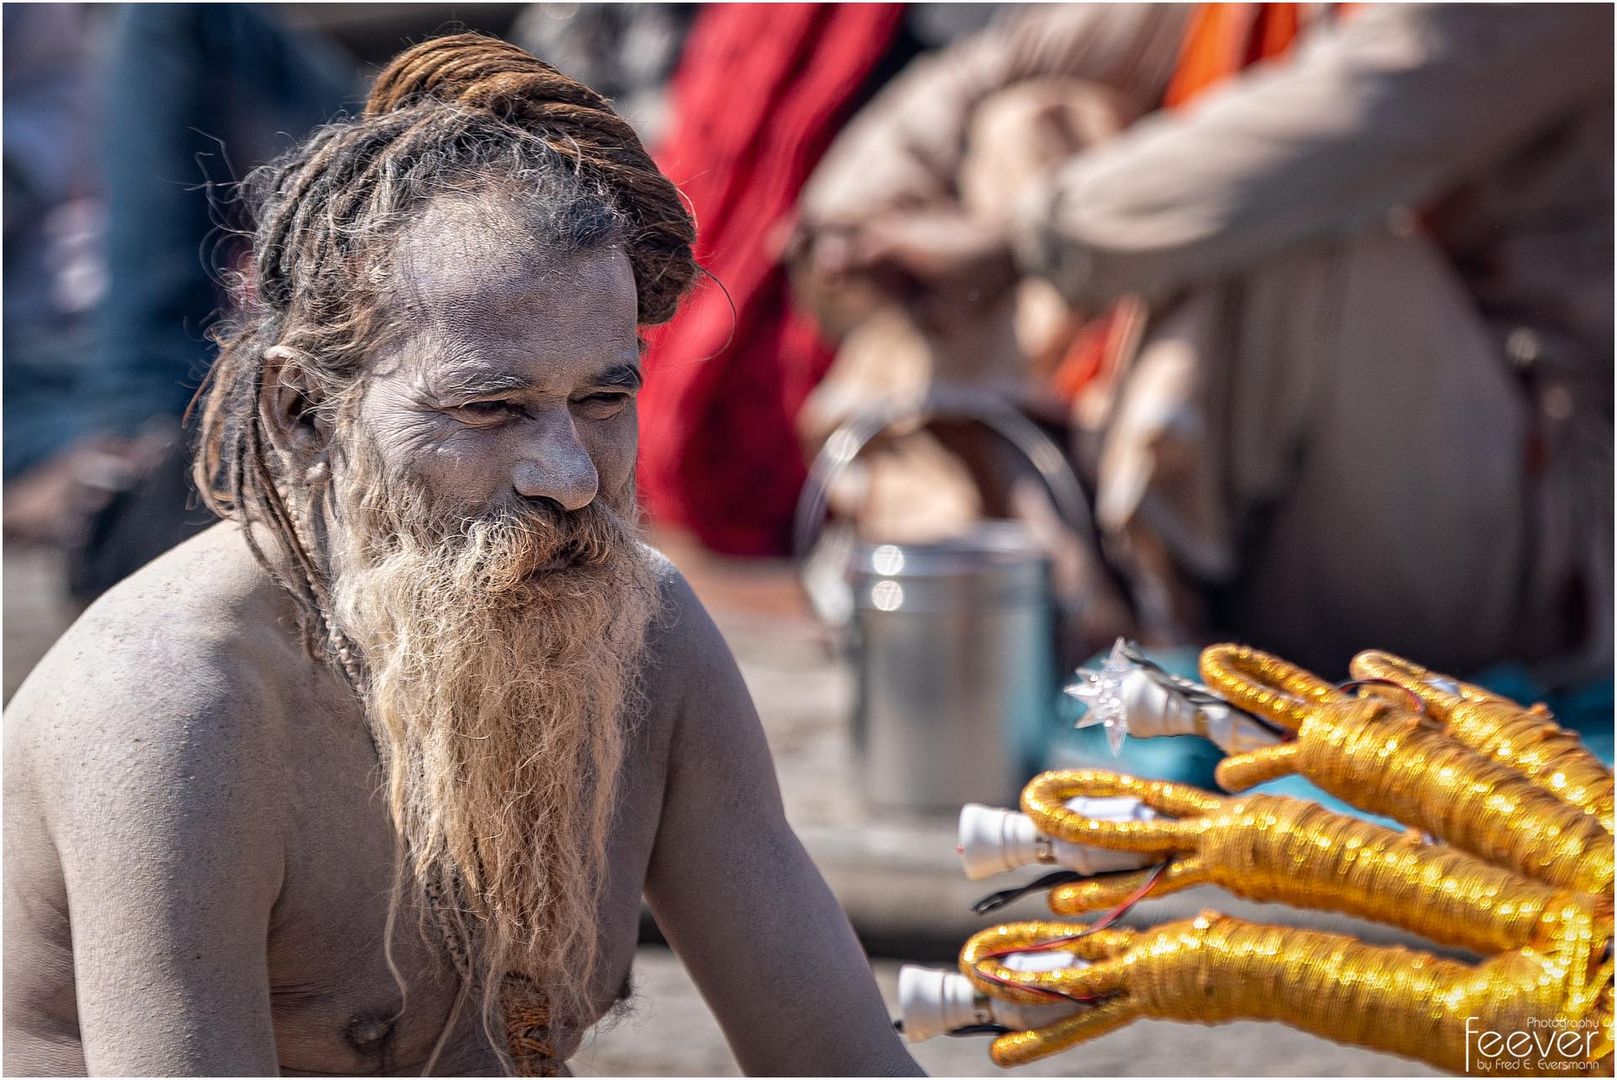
(1039, 946)
(1416, 704)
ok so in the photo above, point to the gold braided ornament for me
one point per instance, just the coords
(1212, 969)
(1523, 881)
(1528, 740)
(1271, 848)
(1384, 757)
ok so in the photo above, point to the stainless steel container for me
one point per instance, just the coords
(955, 673)
(953, 641)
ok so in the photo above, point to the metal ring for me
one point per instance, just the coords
(851, 438)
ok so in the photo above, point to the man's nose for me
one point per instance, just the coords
(554, 465)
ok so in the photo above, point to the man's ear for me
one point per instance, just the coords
(288, 405)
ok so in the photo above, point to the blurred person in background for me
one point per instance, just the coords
(174, 101)
(1327, 296)
(729, 373)
(195, 95)
(55, 271)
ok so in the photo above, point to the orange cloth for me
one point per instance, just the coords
(1224, 39)
(1221, 40)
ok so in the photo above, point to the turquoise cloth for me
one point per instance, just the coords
(1586, 709)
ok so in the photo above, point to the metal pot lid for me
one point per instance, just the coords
(988, 548)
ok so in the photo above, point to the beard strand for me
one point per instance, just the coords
(501, 661)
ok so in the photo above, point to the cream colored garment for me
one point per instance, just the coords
(907, 146)
(1500, 121)
(1259, 215)
(1332, 447)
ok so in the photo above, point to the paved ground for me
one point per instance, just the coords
(896, 874)
(669, 1032)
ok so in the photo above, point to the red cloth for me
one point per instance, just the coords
(761, 91)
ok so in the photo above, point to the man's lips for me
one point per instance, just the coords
(565, 559)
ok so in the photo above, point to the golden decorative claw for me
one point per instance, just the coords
(1391, 760)
(1271, 848)
(1527, 740)
(1519, 873)
(1212, 969)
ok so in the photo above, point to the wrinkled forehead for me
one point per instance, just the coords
(476, 278)
(469, 253)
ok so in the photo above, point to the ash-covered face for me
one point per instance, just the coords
(510, 373)
(488, 570)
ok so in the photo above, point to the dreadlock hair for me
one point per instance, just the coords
(456, 115)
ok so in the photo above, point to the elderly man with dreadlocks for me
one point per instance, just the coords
(372, 776)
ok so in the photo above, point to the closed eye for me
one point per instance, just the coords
(603, 404)
(485, 411)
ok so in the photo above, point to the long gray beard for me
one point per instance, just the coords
(498, 695)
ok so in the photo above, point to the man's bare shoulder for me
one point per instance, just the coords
(187, 659)
(684, 648)
(694, 687)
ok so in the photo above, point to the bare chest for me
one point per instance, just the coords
(360, 985)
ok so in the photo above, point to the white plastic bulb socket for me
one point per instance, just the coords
(993, 841)
(936, 1001)
(1127, 699)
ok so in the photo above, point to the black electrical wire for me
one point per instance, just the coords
(994, 901)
